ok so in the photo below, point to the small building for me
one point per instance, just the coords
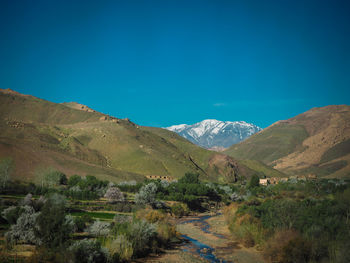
(161, 177)
(272, 180)
(264, 181)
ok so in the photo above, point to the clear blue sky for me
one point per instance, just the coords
(169, 62)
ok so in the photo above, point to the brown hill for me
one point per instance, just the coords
(315, 142)
(78, 140)
(77, 106)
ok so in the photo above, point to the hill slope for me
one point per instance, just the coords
(77, 140)
(315, 142)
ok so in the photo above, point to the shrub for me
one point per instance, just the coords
(80, 224)
(23, 230)
(119, 248)
(113, 195)
(12, 213)
(189, 178)
(99, 228)
(296, 250)
(151, 215)
(39, 203)
(74, 180)
(287, 246)
(121, 219)
(237, 197)
(248, 229)
(27, 200)
(140, 235)
(88, 251)
(147, 194)
(254, 181)
(53, 226)
(180, 210)
(165, 232)
(50, 177)
(123, 207)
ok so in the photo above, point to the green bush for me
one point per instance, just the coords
(12, 213)
(82, 221)
(88, 251)
(53, 226)
(139, 233)
(179, 210)
(254, 181)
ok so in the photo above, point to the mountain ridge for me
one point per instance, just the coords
(211, 133)
(37, 133)
(314, 142)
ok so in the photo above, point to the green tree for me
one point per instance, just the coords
(189, 178)
(74, 180)
(53, 226)
(147, 194)
(6, 169)
(254, 181)
(50, 177)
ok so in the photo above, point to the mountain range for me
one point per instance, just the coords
(214, 134)
(76, 139)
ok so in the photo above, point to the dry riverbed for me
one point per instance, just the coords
(210, 241)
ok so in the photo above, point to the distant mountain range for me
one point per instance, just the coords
(214, 134)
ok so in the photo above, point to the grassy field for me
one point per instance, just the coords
(98, 215)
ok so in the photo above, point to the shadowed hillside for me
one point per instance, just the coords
(315, 142)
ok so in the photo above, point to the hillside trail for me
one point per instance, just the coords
(207, 239)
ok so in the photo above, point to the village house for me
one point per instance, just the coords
(161, 177)
(276, 180)
(263, 181)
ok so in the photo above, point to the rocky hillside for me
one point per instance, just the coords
(214, 134)
(315, 142)
(78, 140)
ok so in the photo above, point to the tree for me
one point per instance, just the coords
(24, 228)
(27, 200)
(50, 177)
(88, 251)
(6, 168)
(254, 181)
(114, 194)
(140, 235)
(53, 226)
(99, 228)
(74, 180)
(147, 194)
(11, 214)
(189, 178)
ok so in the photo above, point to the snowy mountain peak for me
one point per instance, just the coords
(214, 133)
(177, 128)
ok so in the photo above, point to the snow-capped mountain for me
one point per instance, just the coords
(214, 133)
